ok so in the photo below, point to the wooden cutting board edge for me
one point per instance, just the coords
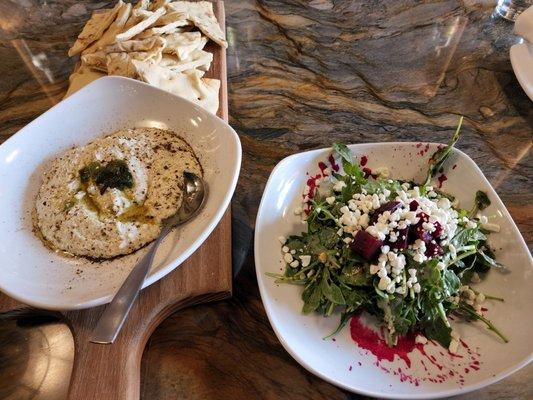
(102, 372)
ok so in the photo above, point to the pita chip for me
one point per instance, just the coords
(82, 77)
(121, 64)
(109, 35)
(141, 26)
(189, 85)
(147, 44)
(202, 16)
(159, 3)
(171, 17)
(96, 61)
(94, 28)
(183, 44)
(198, 59)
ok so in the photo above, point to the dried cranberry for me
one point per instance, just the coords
(389, 206)
(366, 245)
(413, 205)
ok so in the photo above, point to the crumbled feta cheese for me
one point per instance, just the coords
(374, 269)
(475, 278)
(294, 264)
(293, 251)
(285, 249)
(384, 282)
(471, 225)
(417, 288)
(282, 239)
(306, 260)
(491, 227)
(288, 258)
(419, 339)
(385, 249)
(330, 200)
(454, 345)
(339, 186)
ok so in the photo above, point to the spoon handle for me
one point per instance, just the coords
(116, 312)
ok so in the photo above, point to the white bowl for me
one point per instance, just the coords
(341, 362)
(33, 274)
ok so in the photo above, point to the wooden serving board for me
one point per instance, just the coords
(103, 372)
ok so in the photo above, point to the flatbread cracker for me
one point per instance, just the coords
(137, 45)
(141, 26)
(121, 64)
(198, 59)
(94, 28)
(96, 61)
(189, 85)
(82, 77)
(182, 44)
(202, 16)
(109, 35)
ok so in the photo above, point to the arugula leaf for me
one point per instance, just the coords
(468, 312)
(481, 202)
(343, 151)
(437, 330)
(311, 297)
(354, 275)
(451, 282)
(440, 156)
(489, 261)
(328, 237)
(331, 291)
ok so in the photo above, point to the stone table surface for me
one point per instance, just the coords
(301, 75)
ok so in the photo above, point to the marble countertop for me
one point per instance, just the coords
(301, 75)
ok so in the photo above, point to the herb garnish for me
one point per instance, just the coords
(114, 174)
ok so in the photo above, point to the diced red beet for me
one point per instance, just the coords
(413, 205)
(423, 217)
(402, 239)
(438, 229)
(388, 206)
(433, 249)
(366, 245)
(418, 232)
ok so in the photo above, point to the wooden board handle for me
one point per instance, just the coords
(120, 378)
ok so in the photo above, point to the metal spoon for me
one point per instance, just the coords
(116, 312)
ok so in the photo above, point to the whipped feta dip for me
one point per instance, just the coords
(109, 197)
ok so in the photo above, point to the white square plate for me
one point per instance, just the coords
(341, 362)
(33, 274)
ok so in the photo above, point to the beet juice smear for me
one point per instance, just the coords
(422, 366)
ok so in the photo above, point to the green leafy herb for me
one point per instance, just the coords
(115, 174)
(440, 156)
(481, 202)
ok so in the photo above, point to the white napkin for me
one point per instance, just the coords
(524, 25)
